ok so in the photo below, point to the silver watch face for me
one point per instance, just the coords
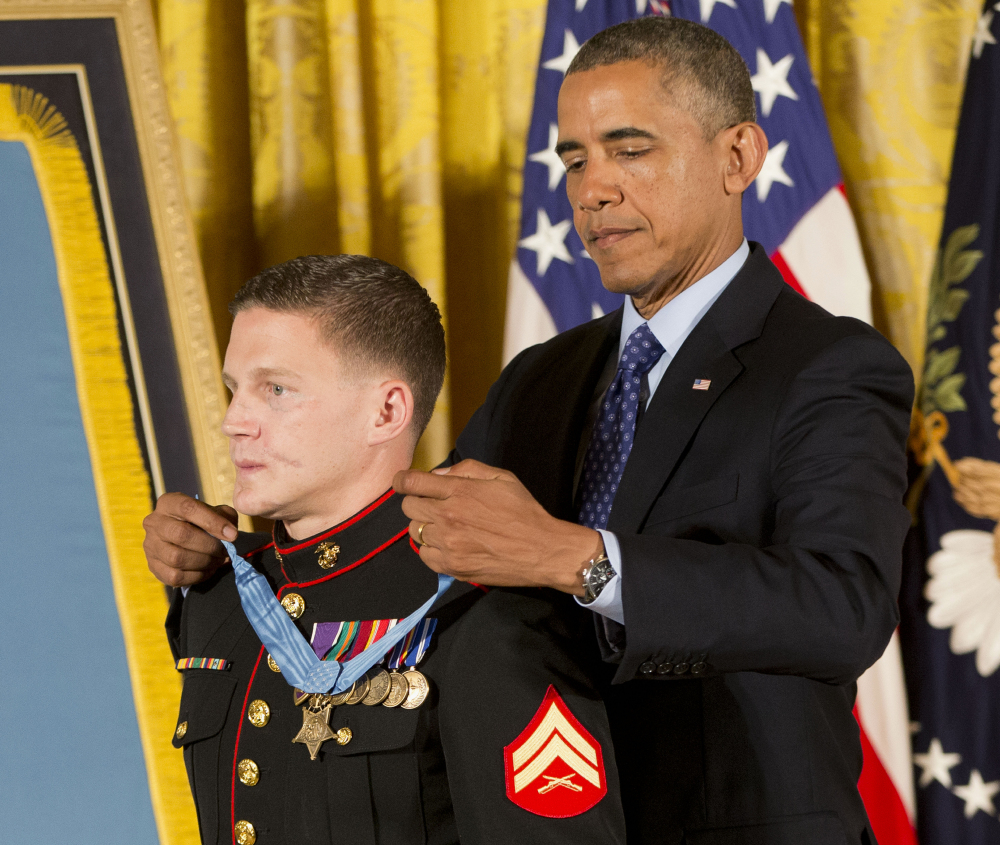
(597, 576)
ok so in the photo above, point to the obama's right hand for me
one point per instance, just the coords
(183, 537)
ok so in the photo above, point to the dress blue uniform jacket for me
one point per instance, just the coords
(761, 526)
(435, 774)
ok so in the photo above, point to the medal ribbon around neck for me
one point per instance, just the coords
(299, 664)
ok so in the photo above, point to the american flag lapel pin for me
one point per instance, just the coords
(701, 384)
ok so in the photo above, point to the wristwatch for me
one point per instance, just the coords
(596, 573)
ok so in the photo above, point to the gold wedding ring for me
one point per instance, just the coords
(420, 533)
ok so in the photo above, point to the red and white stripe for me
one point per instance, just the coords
(821, 258)
(886, 782)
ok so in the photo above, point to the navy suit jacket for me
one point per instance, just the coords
(761, 526)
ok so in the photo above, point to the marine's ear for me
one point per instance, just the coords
(393, 412)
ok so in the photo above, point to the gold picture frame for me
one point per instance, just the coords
(152, 406)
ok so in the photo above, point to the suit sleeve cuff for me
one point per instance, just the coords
(609, 602)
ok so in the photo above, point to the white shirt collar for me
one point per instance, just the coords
(672, 324)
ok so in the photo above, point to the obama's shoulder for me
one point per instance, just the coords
(573, 347)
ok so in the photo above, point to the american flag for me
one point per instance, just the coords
(796, 209)
(951, 585)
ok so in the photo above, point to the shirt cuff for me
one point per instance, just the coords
(609, 602)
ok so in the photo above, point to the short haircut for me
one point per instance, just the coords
(377, 316)
(699, 66)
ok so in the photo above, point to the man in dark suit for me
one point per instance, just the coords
(716, 470)
(754, 523)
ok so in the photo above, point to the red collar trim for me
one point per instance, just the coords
(337, 529)
(258, 551)
(357, 563)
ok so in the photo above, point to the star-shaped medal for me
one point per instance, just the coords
(315, 729)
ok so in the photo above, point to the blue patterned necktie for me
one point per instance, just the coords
(614, 430)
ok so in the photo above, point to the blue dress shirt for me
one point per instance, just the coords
(671, 326)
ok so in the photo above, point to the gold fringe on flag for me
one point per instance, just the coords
(122, 485)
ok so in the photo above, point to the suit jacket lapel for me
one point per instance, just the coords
(549, 410)
(677, 409)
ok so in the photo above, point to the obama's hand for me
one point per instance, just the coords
(481, 524)
(183, 537)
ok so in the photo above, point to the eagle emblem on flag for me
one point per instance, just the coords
(555, 768)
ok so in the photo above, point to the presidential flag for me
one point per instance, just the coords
(951, 587)
(796, 209)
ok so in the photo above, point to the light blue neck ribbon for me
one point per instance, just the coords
(299, 664)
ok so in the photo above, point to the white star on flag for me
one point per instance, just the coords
(982, 36)
(706, 7)
(936, 764)
(581, 5)
(549, 158)
(570, 49)
(548, 242)
(773, 171)
(771, 81)
(771, 8)
(978, 795)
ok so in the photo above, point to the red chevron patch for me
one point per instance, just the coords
(555, 768)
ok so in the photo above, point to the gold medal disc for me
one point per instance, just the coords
(341, 697)
(359, 692)
(378, 687)
(418, 689)
(398, 690)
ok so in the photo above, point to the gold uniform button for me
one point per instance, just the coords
(274, 667)
(294, 605)
(245, 834)
(182, 729)
(344, 736)
(258, 713)
(248, 771)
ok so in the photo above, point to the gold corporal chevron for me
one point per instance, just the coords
(555, 748)
(553, 721)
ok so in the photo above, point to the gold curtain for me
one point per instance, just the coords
(393, 128)
(891, 75)
(396, 128)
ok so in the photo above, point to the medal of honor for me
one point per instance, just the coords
(417, 689)
(315, 725)
(378, 687)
